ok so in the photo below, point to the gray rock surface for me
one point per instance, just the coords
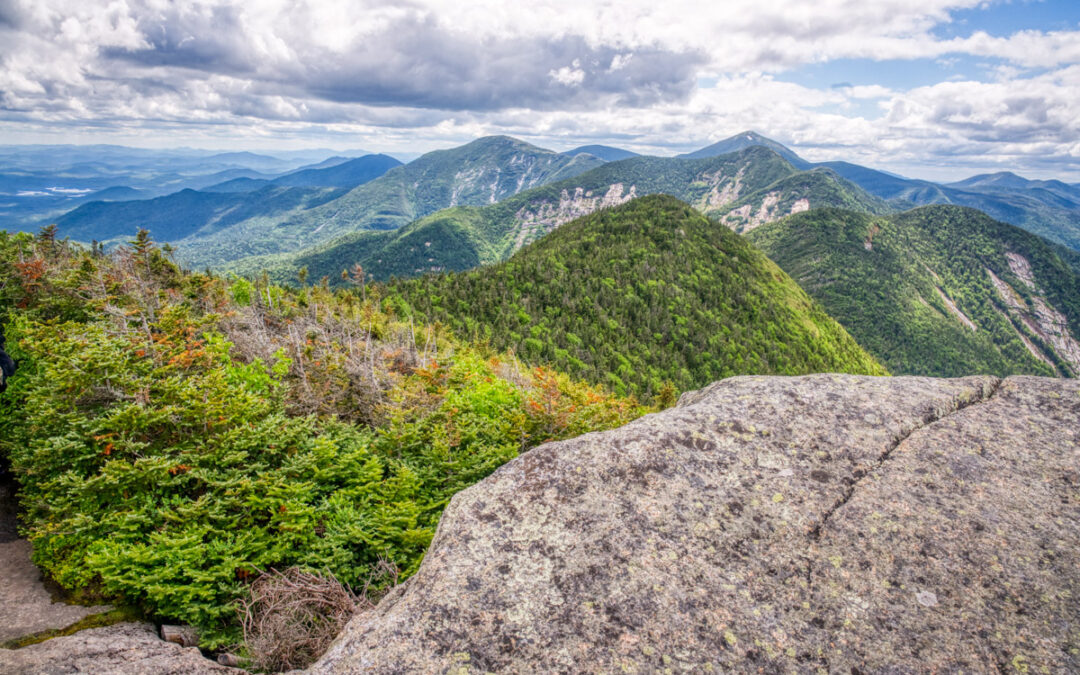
(122, 649)
(27, 605)
(822, 523)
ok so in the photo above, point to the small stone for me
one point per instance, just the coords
(926, 598)
(185, 636)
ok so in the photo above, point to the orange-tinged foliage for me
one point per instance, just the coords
(170, 440)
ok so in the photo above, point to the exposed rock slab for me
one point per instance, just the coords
(27, 605)
(850, 524)
(122, 649)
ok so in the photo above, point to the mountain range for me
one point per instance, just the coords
(487, 170)
(39, 183)
(766, 191)
(897, 276)
(482, 172)
(743, 189)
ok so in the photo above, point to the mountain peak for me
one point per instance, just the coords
(1001, 179)
(745, 140)
(604, 152)
(500, 141)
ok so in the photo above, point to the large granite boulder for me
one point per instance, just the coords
(822, 523)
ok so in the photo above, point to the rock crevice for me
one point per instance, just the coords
(982, 396)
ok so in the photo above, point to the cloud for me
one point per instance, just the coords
(571, 75)
(413, 74)
(407, 58)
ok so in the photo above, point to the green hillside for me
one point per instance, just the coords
(915, 289)
(175, 434)
(482, 172)
(744, 188)
(643, 294)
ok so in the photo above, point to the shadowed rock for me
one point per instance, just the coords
(7, 364)
(850, 524)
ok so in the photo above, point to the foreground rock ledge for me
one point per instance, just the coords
(851, 524)
(848, 523)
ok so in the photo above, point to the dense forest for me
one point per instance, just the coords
(175, 434)
(890, 281)
(645, 298)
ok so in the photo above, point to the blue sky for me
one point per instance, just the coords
(930, 88)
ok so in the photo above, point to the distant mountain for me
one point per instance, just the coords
(178, 182)
(310, 158)
(118, 193)
(326, 163)
(347, 174)
(641, 294)
(604, 152)
(938, 290)
(482, 172)
(744, 190)
(1046, 208)
(1006, 180)
(41, 183)
(246, 159)
(239, 185)
(747, 139)
(185, 213)
(1050, 209)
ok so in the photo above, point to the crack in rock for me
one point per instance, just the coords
(982, 397)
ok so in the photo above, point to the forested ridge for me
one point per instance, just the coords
(176, 434)
(889, 280)
(646, 298)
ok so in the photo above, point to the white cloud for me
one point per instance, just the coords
(571, 75)
(416, 74)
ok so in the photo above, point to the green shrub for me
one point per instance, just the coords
(176, 434)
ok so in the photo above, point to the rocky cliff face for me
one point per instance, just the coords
(850, 524)
(787, 524)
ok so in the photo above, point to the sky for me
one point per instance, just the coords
(936, 89)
